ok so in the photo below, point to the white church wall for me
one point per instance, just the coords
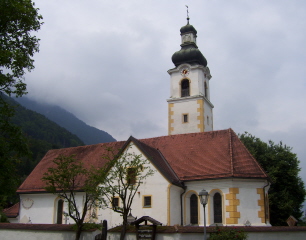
(43, 208)
(239, 201)
(155, 186)
(175, 205)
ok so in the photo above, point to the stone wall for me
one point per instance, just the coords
(9, 231)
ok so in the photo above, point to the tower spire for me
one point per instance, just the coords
(187, 15)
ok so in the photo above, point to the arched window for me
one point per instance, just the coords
(185, 91)
(59, 213)
(205, 89)
(194, 209)
(217, 199)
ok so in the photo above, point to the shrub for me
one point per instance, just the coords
(228, 233)
(88, 226)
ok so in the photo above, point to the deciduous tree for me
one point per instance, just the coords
(69, 177)
(125, 173)
(287, 191)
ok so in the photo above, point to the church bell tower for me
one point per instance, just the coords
(190, 109)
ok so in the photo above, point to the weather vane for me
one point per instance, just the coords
(187, 15)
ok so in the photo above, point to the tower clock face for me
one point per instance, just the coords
(185, 72)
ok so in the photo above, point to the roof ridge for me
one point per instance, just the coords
(196, 133)
(153, 161)
(231, 150)
(167, 163)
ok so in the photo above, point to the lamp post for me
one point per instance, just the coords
(203, 195)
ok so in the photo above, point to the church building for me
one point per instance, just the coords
(190, 158)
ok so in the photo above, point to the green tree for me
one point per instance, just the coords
(125, 173)
(12, 148)
(66, 179)
(18, 19)
(287, 191)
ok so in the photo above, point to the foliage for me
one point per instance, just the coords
(88, 226)
(228, 233)
(302, 221)
(3, 217)
(18, 19)
(287, 191)
(123, 183)
(66, 179)
(12, 147)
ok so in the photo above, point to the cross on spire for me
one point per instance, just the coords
(187, 14)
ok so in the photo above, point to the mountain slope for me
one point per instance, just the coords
(42, 134)
(89, 135)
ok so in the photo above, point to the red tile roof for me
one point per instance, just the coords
(91, 155)
(12, 211)
(182, 157)
(207, 155)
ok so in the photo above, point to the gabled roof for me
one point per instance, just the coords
(179, 158)
(158, 160)
(91, 155)
(13, 211)
(207, 155)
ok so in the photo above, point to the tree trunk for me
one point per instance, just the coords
(78, 233)
(123, 229)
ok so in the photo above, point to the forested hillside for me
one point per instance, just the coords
(42, 135)
(89, 135)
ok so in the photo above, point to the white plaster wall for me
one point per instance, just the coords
(155, 186)
(175, 205)
(186, 106)
(249, 203)
(44, 209)
(248, 197)
(208, 113)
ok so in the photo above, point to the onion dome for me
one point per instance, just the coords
(189, 52)
(188, 28)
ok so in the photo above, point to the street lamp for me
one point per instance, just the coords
(203, 195)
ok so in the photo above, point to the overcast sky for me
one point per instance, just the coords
(106, 62)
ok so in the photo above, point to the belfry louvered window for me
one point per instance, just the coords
(185, 88)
